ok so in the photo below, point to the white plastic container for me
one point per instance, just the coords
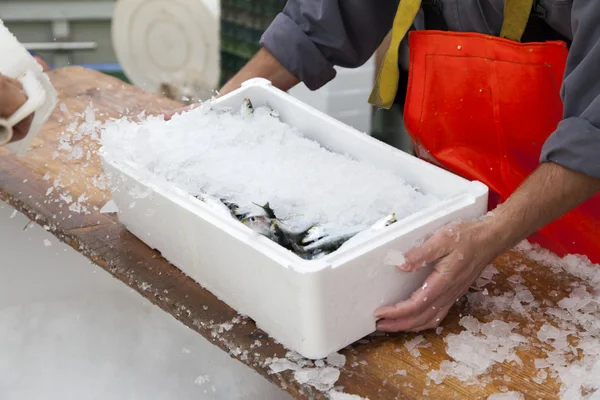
(17, 63)
(313, 307)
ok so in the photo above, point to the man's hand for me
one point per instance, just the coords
(12, 97)
(460, 251)
(42, 62)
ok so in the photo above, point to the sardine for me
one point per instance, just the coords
(267, 209)
(235, 209)
(376, 227)
(247, 107)
(313, 234)
(260, 224)
(331, 242)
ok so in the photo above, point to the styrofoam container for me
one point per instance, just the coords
(17, 63)
(313, 307)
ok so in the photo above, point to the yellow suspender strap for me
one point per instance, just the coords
(516, 15)
(386, 84)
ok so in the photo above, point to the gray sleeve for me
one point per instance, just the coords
(576, 142)
(310, 37)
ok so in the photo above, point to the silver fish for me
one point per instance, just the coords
(247, 107)
(313, 234)
(260, 224)
(376, 227)
(330, 242)
(235, 209)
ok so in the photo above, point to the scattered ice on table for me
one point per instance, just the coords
(578, 299)
(256, 158)
(507, 396)
(334, 395)
(316, 374)
(322, 379)
(413, 343)
(336, 360)
(486, 276)
(401, 372)
(475, 350)
(47, 243)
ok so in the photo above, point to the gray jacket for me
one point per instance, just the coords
(310, 37)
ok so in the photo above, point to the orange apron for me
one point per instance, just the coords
(482, 107)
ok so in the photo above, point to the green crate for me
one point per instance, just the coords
(243, 22)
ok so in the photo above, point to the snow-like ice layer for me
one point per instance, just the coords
(255, 158)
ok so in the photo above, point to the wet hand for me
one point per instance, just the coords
(459, 252)
(12, 97)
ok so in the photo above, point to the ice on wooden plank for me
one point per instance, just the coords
(334, 395)
(507, 396)
(475, 350)
(255, 158)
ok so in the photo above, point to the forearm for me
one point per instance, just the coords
(547, 194)
(262, 65)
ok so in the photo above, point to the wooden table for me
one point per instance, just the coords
(371, 365)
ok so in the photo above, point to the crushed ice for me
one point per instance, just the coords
(249, 158)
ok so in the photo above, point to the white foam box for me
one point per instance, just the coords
(313, 307)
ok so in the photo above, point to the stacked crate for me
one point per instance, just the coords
(242, 24)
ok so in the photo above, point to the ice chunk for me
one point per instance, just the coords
(334, 395)
(394, 258)
(413, 343)
(336, 360)
(507, 396)
(578, 299)
(322, 379)
(109, 207)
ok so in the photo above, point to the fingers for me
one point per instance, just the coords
(11, 96)
(422, 299)
(429, 252)
(433, 322)
(42, 62)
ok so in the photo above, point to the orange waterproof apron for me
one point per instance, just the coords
(482, 107)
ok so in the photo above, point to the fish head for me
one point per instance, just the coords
(258, 223)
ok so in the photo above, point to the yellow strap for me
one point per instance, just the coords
(386, 85)
(516, 15)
